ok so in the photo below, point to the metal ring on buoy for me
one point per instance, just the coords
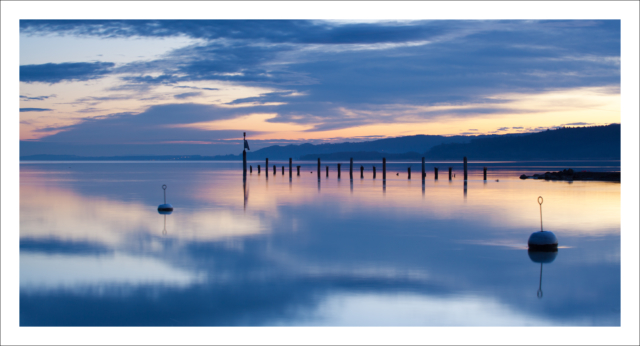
(164, 187)
(540, 200)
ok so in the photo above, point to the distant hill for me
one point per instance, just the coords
(577, 143)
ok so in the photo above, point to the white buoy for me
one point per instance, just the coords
(165, 208)
(543, 240)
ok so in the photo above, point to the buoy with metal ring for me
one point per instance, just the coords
(543, 240)
(166, 207)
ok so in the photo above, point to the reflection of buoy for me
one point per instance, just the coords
(165, 208)
(542, 256)
(543, 241)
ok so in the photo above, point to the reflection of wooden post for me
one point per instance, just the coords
(361, 172)
(435, 172)
(465, 168)
(485, 173)
(338, 171)
(450, 168)
(384, 168)
(351, 168)
(298, 167)
(374, 172)
(409, 172)
(424, 173)
(290, 168)
(327, 167)
(318, 168)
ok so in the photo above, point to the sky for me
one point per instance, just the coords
(194, 86)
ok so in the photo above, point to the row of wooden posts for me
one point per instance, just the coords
(384, 169)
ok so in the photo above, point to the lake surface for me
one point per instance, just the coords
(274, 251)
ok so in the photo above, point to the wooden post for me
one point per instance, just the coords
(250, 169)
(384, 168)
(258, 169)
(244, 163)
(465, 168)
(282, 170)
(424, 173)
(485, 173)
(351, 168)
(298, 167)
(409, 172)
(374, 172)
(327, 167)
(318, 168)
(274, 169)
(338, 171)
(450, 168)
(361, 172)
(266, 166)
(290, 167)
(435, 172)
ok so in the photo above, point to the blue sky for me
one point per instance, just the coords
(193, 86)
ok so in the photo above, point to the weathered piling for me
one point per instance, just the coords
(318, 168)
(250, 169)
(485, 173)
(384, 168)
(409, 173)
(435, 173)
(361, 172)
(374, 172)
(351, 168)
(282, 170)
(327, 167)
(244, 163)
(450, 170)
(258, 169)
(298, 167)
(465, 168)
(274, 169)
(338, 171)
(266, 165)
(290, 167)
(424, 173)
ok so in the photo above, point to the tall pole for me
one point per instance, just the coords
(290, 167)
(318, 168)
(424, 173)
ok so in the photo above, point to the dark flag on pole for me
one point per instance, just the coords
(246, 144)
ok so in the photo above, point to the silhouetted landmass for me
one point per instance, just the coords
(570, 175)
(591, 143)
(580, 143)
(362, 155)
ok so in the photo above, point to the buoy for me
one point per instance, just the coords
(165, 208)
(543, 240)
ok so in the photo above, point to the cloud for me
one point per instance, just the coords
(35, 109)
(578, 124)
(187, 95)
(55, 73)
(35, 98)
(157, 124)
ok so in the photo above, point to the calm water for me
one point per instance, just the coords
(94, 250)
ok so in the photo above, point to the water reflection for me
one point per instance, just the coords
(298, 255)
(542, 257)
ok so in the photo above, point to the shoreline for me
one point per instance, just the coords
(570, 175)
